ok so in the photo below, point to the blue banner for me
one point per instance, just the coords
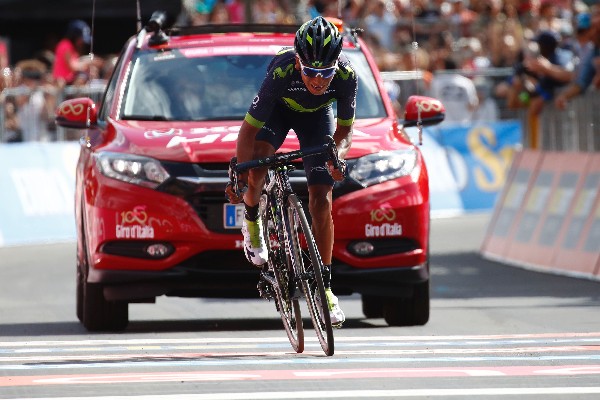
(468, 164)
(37, 182)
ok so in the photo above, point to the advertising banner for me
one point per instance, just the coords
(468, 164)
(37, 182)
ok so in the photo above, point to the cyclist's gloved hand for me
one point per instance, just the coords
(337, 174)
(235, 196)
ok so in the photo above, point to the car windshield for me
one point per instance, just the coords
(170, 87)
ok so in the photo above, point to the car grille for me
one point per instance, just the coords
(208, 197)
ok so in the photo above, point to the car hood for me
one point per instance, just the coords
(207, 142)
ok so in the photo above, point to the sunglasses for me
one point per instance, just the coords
(324, 73)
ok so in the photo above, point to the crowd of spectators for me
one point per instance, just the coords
(550, 47)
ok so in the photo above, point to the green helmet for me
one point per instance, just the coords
(318, 43)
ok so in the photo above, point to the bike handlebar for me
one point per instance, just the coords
(282, 158)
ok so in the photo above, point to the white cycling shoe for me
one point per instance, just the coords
(335, 312)
(255, 247)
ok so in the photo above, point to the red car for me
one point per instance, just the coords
(152, 218)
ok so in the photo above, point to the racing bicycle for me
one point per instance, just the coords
(294, 267)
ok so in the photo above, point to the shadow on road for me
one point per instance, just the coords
(469, 275)
(169, 326)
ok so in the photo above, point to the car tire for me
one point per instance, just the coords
(93, 310)
(414, 310)
(100, 314)
(372, 306)
(79, 293)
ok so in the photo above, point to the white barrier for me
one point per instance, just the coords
(37, 183)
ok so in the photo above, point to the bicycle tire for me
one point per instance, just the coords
(287, 306)
(309, 266)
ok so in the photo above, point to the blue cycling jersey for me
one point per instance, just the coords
(283, 85)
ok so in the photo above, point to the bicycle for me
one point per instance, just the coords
(294, 267)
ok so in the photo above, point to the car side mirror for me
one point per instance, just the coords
(79, 113)
(426, 110)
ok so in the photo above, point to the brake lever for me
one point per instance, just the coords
(334, 157)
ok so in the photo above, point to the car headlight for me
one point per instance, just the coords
(139, 170)
(384, 166)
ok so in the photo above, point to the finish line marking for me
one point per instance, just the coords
(347, 394)
(294, 374)
(283, 339)
(188, 356)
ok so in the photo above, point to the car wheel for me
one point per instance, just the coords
(79, 293)
(414, 310)
(93, 310)
(100, 314)
(372, 306)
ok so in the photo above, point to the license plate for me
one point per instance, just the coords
(233, 215)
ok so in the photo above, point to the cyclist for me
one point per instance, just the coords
(297, 93)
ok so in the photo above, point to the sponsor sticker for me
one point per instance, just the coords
(132, 224)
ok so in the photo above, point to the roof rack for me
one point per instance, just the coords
(228, 28)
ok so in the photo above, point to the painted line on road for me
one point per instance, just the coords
(193, 356)
(315, 359)
(295, 374)
(283, 339)
(348, 394)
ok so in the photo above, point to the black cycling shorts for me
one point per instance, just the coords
(311, 128)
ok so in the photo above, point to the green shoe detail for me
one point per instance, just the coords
(254, 229)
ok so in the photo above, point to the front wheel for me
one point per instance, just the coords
(278, 262)
(308, 266)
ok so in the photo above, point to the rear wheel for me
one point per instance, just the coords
(309, 266)
(372, 306)
(409, 311)
(279, 263)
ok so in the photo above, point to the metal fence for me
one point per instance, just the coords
(575, 129)
(27, 113)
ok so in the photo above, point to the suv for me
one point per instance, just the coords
(151, 214)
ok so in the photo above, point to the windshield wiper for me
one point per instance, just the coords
(145, 117)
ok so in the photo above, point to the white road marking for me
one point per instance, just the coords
(348, 394)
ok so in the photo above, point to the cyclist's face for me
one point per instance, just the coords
(317, 85)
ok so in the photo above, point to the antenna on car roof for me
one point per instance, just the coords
(139, 15)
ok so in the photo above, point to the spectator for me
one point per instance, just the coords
(543, 69)
(236, 10)
(380, 24)
(456, 92)
(31, 101)
(219, 14)
(67, 60)
(461, 19)
(581, 44)
(487, 109)
(267, 12)
(589, 73)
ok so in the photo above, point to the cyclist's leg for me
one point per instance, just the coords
(266, 143)
(312, 131)
(268, 140)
